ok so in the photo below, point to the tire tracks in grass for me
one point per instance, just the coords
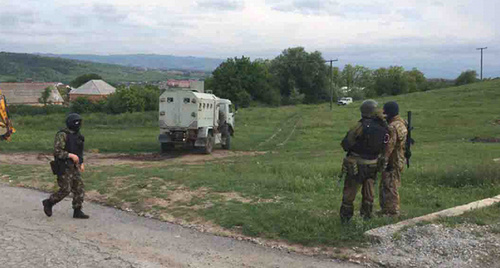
(287, 126)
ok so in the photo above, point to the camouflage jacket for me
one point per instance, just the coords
(395, 148)
(60, 145)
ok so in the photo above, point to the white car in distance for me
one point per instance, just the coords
(344, 101)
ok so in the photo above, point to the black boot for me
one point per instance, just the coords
(366, 210)
(346, 213)
(47, 207)
(78, 214)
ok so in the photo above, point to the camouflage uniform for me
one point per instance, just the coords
(70, 180)
(360, 172)
(391, 176)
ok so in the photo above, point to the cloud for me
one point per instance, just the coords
(16, 18)
(107, 13)
(221, 5)
(308, 7)
(358, 31)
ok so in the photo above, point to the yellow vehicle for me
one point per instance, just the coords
(4, 119)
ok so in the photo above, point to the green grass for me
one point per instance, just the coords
(484, 216)
(298, 174)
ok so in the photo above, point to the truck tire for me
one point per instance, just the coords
(167, 147)
(209, 146)
(227, 145)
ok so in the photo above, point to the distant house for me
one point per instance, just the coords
(93, 90)
(179, 83)
(29, 93)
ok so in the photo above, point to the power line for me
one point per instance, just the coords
(481, 48)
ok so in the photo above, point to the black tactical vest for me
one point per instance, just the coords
(372, 140)
(74, 143)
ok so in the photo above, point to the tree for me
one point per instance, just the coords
(44, 99)
(295, 68)
(82, 79)
(391, 81)
(242, 81)
(467, 77)
(356, 76)
(416, 81)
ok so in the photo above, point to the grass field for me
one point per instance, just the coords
(291, 192)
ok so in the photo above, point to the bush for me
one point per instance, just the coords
(466, 77)
(37, 110)
(133, 99)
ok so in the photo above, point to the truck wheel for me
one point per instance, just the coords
(227, 144)
(167, 147)
(209, 146)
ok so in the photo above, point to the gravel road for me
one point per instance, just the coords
(114, 238)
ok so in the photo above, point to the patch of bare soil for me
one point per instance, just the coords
(95, 196)
(485, 140)
(143, 159)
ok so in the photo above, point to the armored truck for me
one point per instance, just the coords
(189, 116)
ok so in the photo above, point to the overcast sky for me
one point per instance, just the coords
(439, 37)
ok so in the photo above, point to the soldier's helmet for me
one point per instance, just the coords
(74, 121)
(368, 108)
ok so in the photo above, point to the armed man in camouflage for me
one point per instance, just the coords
(68, 163)
(364, 144)
(395, 157)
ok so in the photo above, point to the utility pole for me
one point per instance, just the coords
(331, 81)
(481, 48)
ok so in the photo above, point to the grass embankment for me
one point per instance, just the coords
(291, 192)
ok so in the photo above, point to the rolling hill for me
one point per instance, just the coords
(20, 66)
(152, 61)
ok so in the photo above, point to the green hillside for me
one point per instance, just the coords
(19, 67)
(293, 186)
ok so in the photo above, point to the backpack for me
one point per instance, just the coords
(370, 144)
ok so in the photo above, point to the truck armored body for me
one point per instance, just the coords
(188, 116)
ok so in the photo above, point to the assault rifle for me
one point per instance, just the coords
(409, 141)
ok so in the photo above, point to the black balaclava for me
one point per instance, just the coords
(391, 109)
(74, 122)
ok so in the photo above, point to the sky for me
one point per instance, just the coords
(439, 37)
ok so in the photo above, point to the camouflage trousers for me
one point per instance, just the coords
(69, 182)
(364, 178)
(388, 191)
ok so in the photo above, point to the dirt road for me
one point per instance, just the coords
(114, 238)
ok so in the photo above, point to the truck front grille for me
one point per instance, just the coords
(178, 136)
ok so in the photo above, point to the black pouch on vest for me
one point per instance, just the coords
(55, 167)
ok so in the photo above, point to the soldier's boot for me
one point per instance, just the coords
(47, 207)
(346, 213)
(366, 210)
(78, 214)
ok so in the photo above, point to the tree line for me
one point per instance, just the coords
(297, 76)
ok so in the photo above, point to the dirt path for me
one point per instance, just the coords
(114, 238)
(141, 159)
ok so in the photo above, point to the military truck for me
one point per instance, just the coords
(189, 116)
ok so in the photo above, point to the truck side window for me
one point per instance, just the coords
(170, 99)
(186, 100)
(230, 108)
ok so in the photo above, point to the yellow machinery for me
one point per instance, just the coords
(4, 119)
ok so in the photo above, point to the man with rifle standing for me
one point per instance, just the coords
(397, 152)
